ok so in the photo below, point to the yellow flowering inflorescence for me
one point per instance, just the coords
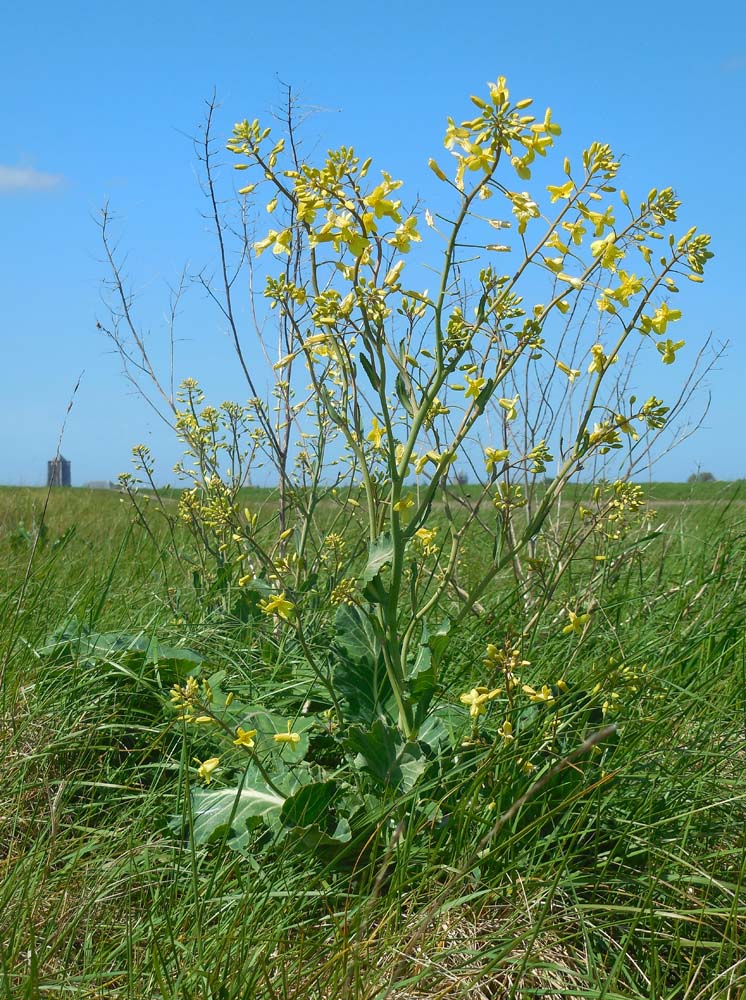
(620, 505)
(334, 226)
(507, 661)
(193, 701)
(405, 504)
(344, 592)
(425, 541)
(505, 732)
(333, 550)
(376, 434)
(186, 696)
(508, 496)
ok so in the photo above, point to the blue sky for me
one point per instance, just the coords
(101, 100)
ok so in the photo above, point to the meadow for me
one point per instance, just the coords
(617, 879)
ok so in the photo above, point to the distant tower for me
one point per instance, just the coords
(58, 472)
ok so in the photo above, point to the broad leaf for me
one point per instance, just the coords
(384, 755)
(360, 676)
(310, 815)
(380, 553)
(75, 641)
(228, 812)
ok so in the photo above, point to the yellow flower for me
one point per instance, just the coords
(573, 282)
(663, 316)
(206, 768)
(436, 170)
(404, 504)
(509, 405)
(376, 434)
(476, 700)
(283, 362)
(344, 592)
(279, 241)
(277, 605)
(611, 703)
(526, 766)
(626, 427)
(607, 252)
(187, 695)
(629, 285)
(475, 386)
(288, 737)
(576, 230)
(668, 350)
(392, 276)
(493, 457)
(558, 191)
(244, 738)
(600, 360)
(405, 235)
(506, 732)
(572, 373)
(577, 623)
(544, 696)
(430, 456)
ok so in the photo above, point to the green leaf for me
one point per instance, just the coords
(422, 677)
(484, 396)
(382, 752)
(75, 643)
(434, 733)
(421, 683)
(228, 812)
(370, 372)
(403, 395)
(310, 815)
(380, 553)
(360, 676)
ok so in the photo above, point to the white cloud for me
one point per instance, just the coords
(14, 179)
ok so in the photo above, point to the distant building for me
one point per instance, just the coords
(58, 472)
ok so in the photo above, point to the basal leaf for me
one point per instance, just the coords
(227, 812)
(310, 815)
(382, 752)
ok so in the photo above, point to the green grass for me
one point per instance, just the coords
(633, 888)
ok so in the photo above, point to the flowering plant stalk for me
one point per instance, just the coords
(540, 305)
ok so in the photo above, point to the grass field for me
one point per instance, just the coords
(630, 885)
